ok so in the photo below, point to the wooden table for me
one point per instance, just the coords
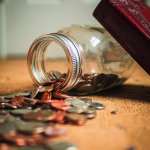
(128, 128)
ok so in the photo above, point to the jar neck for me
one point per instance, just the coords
(73, 53)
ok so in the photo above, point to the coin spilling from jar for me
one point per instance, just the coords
(31, 119)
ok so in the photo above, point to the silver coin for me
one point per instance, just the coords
(4, 100)
(8, 105)
(86, 100)
(29, 127)
(3, 119)
(7, 128)
(37, 90)
(21, 111)
(54, 131)
(90, 110)
(81, 105)
(90, 116)
(62, 146)
(69, 100)
(97, 105)
(10, 96)
(74, 110)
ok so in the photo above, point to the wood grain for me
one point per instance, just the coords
(128, 127)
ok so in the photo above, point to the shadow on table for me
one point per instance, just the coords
(129, 91)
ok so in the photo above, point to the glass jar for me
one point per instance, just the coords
(96, 61)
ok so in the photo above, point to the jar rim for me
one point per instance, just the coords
(35, 59)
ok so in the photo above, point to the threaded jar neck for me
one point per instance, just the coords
(36, 59)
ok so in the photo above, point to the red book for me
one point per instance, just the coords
(128, 21)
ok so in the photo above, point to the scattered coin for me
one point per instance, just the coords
(3, 112)
(46, 96)
(21, 111)
(54, 131)
(62, 146)
(8, 105)
(90, 113)
(29, 148)
(90, 110)
(35, 92)
(29, 127)
(3, 119)
(91, 116)
(77, 119)
(18, 101)
(59, 104)
(79, 104)
(74, 110)
(41, 115)
(4, 100)
(7, 128)
(4, 146)
(28, 119)
(10, 96)
(60, 95)
(86, 100)
(97, 105)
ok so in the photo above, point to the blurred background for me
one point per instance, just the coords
(21, 21)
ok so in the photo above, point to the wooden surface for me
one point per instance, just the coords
(128, 128)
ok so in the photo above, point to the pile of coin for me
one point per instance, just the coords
(30, 119)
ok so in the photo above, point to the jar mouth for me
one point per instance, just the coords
(36, 57)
